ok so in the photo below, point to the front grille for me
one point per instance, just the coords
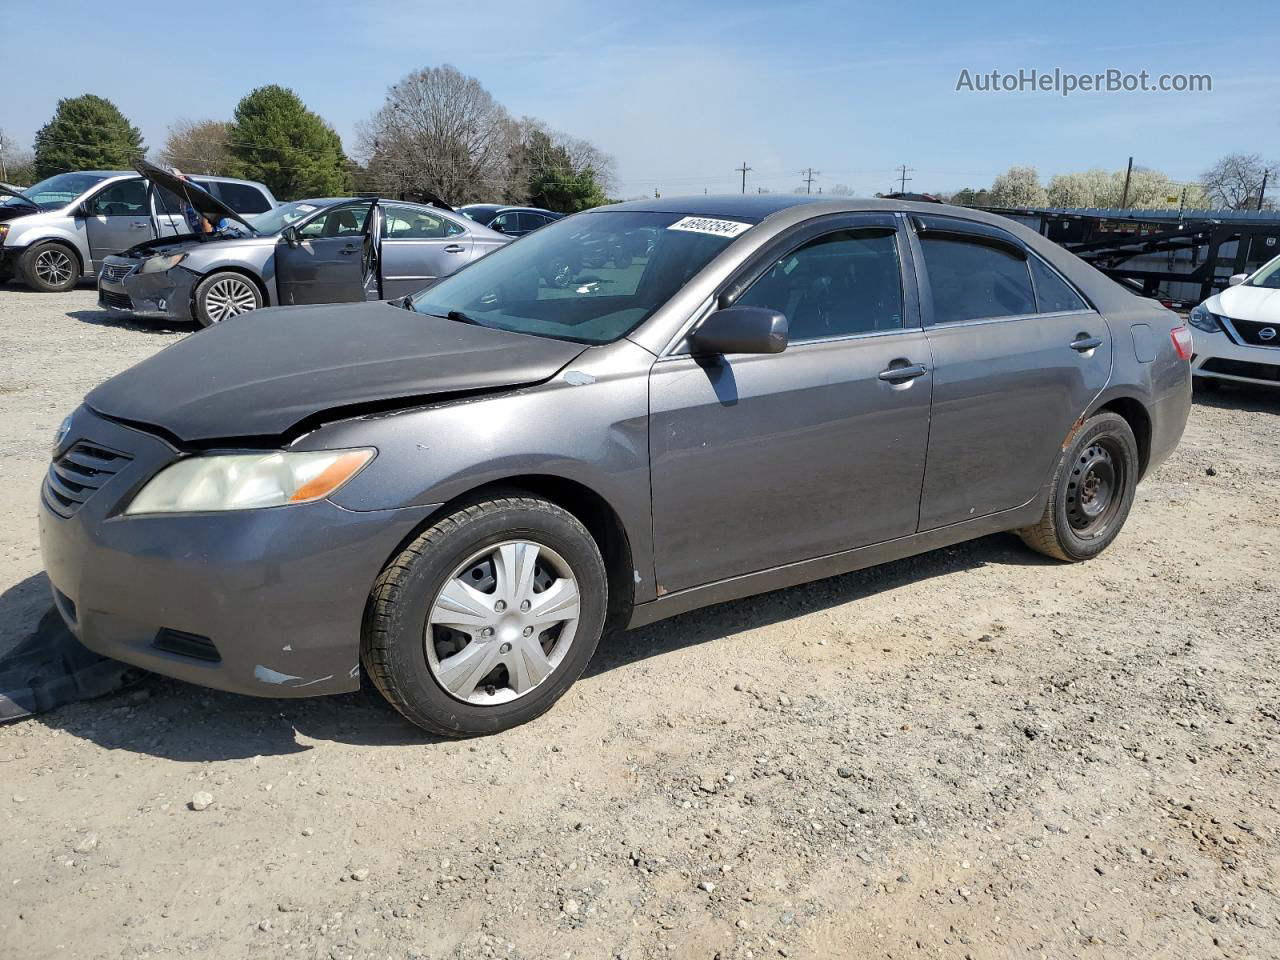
(118, 301)
(1251, 332)
(1242, 368)
(117, 271)
(76, 474)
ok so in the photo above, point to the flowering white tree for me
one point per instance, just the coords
(1019, 187)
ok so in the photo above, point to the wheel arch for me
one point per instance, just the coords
(1135, 413)
(593, 510)
(62, 241)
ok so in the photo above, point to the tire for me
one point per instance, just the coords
(50, 267)
(1092, 492)
(422, 666)
(223, 295)
(558, 273)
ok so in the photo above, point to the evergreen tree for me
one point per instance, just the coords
(275, 139)
(86, 133)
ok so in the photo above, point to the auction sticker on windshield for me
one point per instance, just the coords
(717, 228)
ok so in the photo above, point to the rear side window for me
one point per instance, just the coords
(838, 285)
(243, 198)
(973, 281)
(414, 223)
(1053, 294)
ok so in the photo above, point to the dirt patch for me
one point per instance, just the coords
(972, 753)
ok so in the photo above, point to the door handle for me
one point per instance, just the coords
(1084, 344)
(453, 248)
(349, 251)
(139, 226)
(907, 372)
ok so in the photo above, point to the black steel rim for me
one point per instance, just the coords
(1095, 489)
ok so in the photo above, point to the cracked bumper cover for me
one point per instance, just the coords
(279, 592)
(165, 294)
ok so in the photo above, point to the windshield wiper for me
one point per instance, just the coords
(461, 317)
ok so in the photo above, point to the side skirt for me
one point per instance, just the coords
(806, 571)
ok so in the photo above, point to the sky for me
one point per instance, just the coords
(682, 93)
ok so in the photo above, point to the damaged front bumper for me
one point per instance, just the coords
(165, 294)
(263, 602)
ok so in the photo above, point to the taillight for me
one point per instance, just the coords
(1182, 342)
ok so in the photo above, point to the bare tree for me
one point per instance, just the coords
(1235, 181)
(197, 146)
(16, 165)
(439, 130)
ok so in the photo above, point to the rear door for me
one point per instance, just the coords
(764, 460)
(117, 217)
(330, 260)
(1018, 357)
(417, 246)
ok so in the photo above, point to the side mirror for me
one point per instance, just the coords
(1236, 279)
(87, 209)
(290, 235)
(740, 330)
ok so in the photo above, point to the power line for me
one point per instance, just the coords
(902, 176)
(808, 176)
(744, 169)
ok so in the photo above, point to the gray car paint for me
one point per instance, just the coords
(716, 492)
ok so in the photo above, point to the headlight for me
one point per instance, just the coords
(247, 481)
(159, 264)
(1202, 319)
(4, 232)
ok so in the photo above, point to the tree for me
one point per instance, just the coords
(1088, 189)
(17, 166)
(277, 140)
(968, 197)
(86, 133)
(1018, 187)
(440, 130)
(841, 190)
(555, 180)
(197, 146)
(1235, 181)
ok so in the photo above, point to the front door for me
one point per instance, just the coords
(418, 246)
(763, 460)
(330, 259)
(117, 217)
(1018, 357)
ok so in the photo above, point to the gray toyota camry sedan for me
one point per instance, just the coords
(457, 492)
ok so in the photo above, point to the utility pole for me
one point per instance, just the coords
(1124, 197)
(1262, 194)
(903, 178)
(744, 170)
(807, 176)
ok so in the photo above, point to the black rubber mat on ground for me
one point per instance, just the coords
(51, 668)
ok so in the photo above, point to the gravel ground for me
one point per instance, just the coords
(974, 753)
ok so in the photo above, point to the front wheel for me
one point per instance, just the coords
(1092, 491)
(223, 295)
(50, 267)
(487, 618)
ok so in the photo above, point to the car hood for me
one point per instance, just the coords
(270, 372)
(205, 202)
(1260, 304)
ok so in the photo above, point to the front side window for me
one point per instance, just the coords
(591, 278)
(1053, 294)
(838, 285)
(341, 221)
(128, 198)
(972, 280)
(414, 223)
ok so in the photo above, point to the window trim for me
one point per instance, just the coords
(755, 265)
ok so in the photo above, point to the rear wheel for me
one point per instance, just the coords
(487, 618)
(1092, 491)
(50, 267)
(221, 296)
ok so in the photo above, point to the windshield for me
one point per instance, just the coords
(273, 221)
(592, 278)
(1268, 276)
(57, 191)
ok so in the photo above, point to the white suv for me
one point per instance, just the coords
(1238, 330)
(61, 229)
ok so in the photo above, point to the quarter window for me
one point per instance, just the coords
(837, 285)
(411, 223)
(972, 281)
(1053, 294)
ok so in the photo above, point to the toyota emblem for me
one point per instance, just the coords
(1267, 334)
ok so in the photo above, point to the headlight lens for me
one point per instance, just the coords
(1202, 319)
(158, 264)
(248, 481)
(4, 231)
